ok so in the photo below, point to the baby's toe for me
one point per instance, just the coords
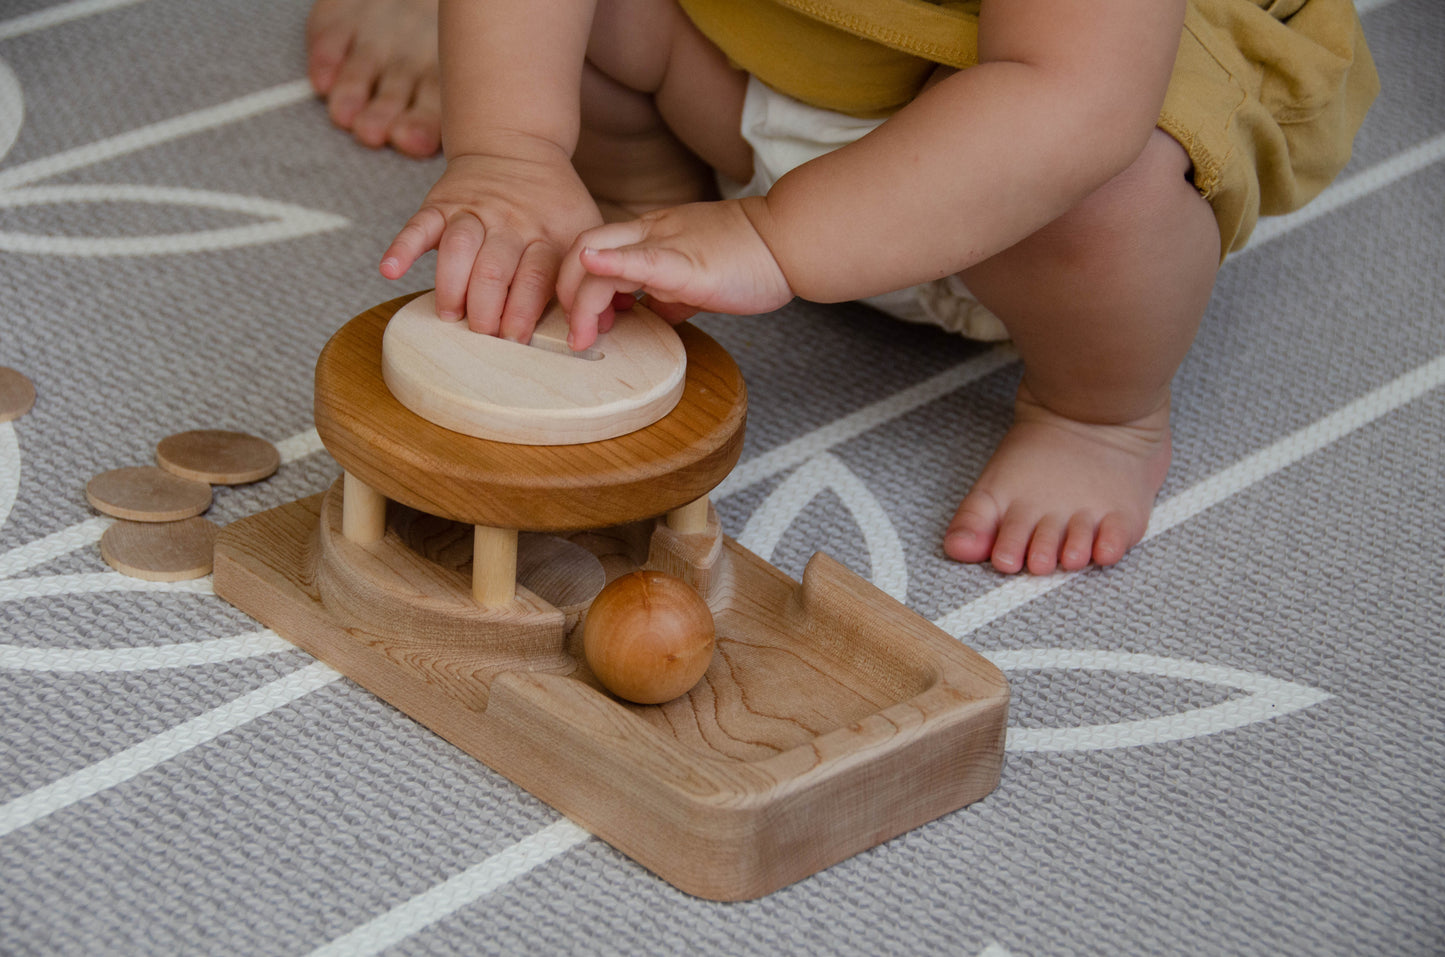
(970, 536)
(1011, 546)
(1043, 554)
(329, 36)
(389, 101)
(1116, 536)
(349, 96)
(418, 131)
(1078, 547)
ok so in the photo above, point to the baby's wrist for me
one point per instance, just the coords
(507, 144)
(760, 216)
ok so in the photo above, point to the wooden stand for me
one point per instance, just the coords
(831, 719)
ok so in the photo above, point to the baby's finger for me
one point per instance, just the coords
(421, 233)
(456, 254)
(652, 268)
(531, 290)
(492, 271)
(591, 311)
(572, 271)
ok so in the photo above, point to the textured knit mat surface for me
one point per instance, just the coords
(1231, 743)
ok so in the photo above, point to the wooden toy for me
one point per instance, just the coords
(161, 551)
(218, 457)
(452, 575)
(536, 394)
(648, 637)
(147, 494)
(17, 394)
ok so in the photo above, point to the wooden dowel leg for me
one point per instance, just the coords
(689, 519)
(494, 565)
(363, 511)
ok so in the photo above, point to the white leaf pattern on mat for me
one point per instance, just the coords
(45, 586)
(771, 520)
(12, 108)
(1268, 698)
(146, 658)
(9, 470)
(278, 221)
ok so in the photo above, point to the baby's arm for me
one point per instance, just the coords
(1064, 98)
(510, 203)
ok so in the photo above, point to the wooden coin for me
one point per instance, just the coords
(161, 552)
(218, 457)
(145, 493)
(17, 394)
(536, 394)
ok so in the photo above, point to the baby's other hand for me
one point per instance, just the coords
(702, 256)
(500, 225)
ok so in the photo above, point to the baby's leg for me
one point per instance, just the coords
(375, 61)
(661, 110)
(1102, 305)
(661, 106)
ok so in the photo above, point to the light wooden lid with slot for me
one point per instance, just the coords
(676, 460)
(541, 393)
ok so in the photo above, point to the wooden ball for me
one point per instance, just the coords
(648, 637)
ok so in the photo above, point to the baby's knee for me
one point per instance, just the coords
(1153, 198)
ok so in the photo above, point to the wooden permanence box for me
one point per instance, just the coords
(448, 574)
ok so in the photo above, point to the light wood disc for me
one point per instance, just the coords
(536, 394)
(558, 571)
(161, 552)
(218, 457)
(145, 493)
(17, 394)
(542, 488)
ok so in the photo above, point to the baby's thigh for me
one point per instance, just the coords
(651, 47)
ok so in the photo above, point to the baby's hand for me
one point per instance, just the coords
(500, 225)
(703, 256)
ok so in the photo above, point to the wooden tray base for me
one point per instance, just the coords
(832, 717)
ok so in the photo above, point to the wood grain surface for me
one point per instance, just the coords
(218, 456)
(536, 394)
(160, 551)
(144, 493)
(675, 461)
(831, 718)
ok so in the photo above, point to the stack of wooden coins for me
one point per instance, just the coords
(160, 535)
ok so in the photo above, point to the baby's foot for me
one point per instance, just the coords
(375, 62)
(1059, 493)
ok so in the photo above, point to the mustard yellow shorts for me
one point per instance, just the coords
(1266, 95)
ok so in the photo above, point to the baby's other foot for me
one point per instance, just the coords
(1059, 493)
(375, 62)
